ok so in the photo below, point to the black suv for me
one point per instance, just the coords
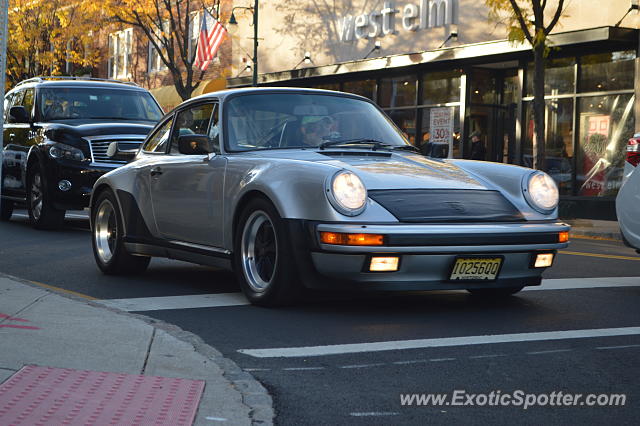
(56, 134)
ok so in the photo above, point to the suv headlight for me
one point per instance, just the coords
(541, 192)
(60, 150)
(347, 193)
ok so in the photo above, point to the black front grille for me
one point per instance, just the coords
(447, 205)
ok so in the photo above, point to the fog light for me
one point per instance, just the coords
(563, 237)
(64, 185)
(543, 260)
(384, 264)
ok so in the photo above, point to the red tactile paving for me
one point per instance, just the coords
(57, 396)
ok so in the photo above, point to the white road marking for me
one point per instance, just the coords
(303, 368)
(437, 343)
(577, 283)
(378, 364)
(237, 299)
(216, 419)
(413, 361)
(176, 302)
(256, 369)
(374, 414)
(486, 356)
(549, 352)
(618, 347)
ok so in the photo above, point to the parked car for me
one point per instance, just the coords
(297, 188)
(56, 134)
(628, 199)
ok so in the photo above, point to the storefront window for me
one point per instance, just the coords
(559, 150)
(327, 86)
(398, 91)
(484, 87)
(440, 130)
(606, 123)
(607, 71)
(441, 87)
(558, 78)
(511, 91)
(366, 88)
(405, 119)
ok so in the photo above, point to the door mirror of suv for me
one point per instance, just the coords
(115, 153)
(194, 144)
(18, 114)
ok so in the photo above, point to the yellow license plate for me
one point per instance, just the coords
(476, 268)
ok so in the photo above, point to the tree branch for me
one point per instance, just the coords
(521, 20)
(556, 17)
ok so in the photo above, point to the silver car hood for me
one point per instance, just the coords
(388, 170)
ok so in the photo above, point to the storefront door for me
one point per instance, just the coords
(491, 115)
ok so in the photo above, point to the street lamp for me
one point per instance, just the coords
(233, 21)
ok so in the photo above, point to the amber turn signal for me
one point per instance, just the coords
(563, 237)
(339, 238)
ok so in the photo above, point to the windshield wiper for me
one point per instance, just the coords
(376, 143)
(407, 148)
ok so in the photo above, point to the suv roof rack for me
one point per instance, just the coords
(62, 77)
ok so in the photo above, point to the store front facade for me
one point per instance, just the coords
(445, 99)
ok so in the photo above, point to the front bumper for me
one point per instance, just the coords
(427, 254)
(82, 177)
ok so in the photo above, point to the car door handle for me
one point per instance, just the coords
(156, 171)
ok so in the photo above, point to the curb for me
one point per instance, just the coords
(254, 395)
(588, 235)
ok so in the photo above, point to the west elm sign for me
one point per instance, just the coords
(414, 17)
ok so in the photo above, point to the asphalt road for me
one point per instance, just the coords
(362, 382)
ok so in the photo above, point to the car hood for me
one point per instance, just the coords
(88, 128)
(390, 170)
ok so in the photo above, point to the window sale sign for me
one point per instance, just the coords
(441, 125)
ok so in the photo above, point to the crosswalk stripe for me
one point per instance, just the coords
(351, 348)
(237, 299)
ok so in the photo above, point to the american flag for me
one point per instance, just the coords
(209, 41)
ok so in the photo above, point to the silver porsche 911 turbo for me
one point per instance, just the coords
(303, 188)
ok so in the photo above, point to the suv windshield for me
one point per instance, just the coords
(301, 120)
(65, 103)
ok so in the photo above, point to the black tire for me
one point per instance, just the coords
(107, 235)
(270, 262)
(42, 214)
(6, 210)
(494, 293)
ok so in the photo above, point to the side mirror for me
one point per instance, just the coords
(194, 144)
(115, 153)
(18, 114)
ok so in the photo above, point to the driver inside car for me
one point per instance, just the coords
(316, 129)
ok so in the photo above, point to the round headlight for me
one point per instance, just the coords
(347, 193)
(542, 192)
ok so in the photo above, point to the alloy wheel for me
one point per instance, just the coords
(259, 251)
(105, 231)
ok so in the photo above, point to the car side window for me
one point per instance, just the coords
(158, 141)
(191, 121)
(7, 105)
(214, 129)
(27, 101)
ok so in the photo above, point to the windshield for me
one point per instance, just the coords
(64, 103)
(303, 120)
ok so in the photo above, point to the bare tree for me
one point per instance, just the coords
(525, 20)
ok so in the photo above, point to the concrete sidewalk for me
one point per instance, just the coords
(597, 229)
(38, 327)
